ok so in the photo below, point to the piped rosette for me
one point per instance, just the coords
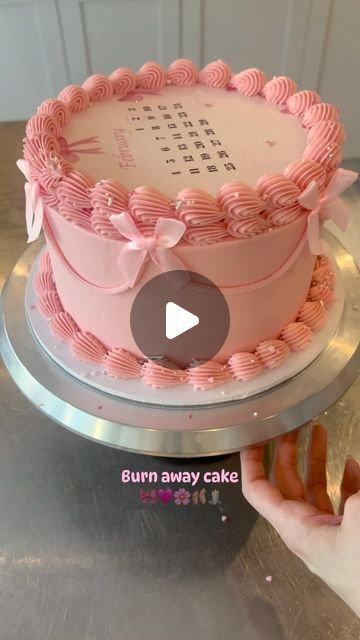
(207, 375)
(63, 326)
(123, 81)
(122, 364)
(281, 197)
(107, 198)
(158, 376)
(196, 208)
(74, 196)
(147, 205)
(56, 108)
(183, 73)
(151, 76)
(84, 346)
(216, 74)
(245, 366)
(249, 82)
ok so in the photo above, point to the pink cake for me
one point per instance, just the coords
(228, 175)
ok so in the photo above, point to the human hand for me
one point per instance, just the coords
(302, 512)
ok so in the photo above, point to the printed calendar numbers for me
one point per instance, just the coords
(176, 130)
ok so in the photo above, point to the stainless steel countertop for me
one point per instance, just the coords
(81, 558)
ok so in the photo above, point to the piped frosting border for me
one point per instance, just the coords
(241, 366)
(238, 210)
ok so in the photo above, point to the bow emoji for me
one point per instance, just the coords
(135, 253)
(326, 206)
(148, 496)
(34, 205)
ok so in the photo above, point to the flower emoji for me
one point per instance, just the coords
(182, 496)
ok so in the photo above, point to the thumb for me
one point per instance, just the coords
(351, 517)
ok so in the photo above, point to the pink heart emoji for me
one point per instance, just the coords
(165, 495)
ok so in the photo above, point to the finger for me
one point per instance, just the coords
(315, 475)
(284, 470)
(350, 483)
(257, 489)
(293, 520)
(351, 517)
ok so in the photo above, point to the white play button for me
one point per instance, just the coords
(178, 320)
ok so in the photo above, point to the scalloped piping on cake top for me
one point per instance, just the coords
(242, 366)
(274, 200)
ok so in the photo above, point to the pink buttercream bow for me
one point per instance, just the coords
(326, 206)
(34, 205)
(135, 253)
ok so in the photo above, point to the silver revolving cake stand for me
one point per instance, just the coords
(190, 431)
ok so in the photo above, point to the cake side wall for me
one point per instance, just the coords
(256, 314)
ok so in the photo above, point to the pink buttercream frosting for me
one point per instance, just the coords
(319, 112)
(49, 303)
(80, 217)
(301, 101)
(322, 261)
(215, 74)
(328, 154)
(208, 375)
(160, 377)
(98, 87)
(147, 204)
(41, 123)
(109, 197)
(84, 346)
(297, 335)
(206, 235)
(57, 109)
(75, 98)
(44, 281)
(249, 82)
(245, 366)
(123, 81)
(151, 76)
(247, 228)
(284, 215)
(327, 131)
(75, 189)
(240, 201)
(183, 73)
(279, 89)
(122, 364)
(313, 314)
(63, 326)
(102, 225)
(53, 173)
(302, 172)
(277, 190)
(322, 293)
(45, 262)
(197, 208)
(272, 353)
(322, 274)
(39, 151)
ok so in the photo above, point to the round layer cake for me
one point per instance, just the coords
(226, 175)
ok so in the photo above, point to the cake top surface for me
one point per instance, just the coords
(173, 137)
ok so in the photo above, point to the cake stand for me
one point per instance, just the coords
(179, 431)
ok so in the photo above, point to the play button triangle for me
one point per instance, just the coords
(178, 320)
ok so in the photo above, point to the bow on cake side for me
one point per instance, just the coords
(326, 206)
(138, 249)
